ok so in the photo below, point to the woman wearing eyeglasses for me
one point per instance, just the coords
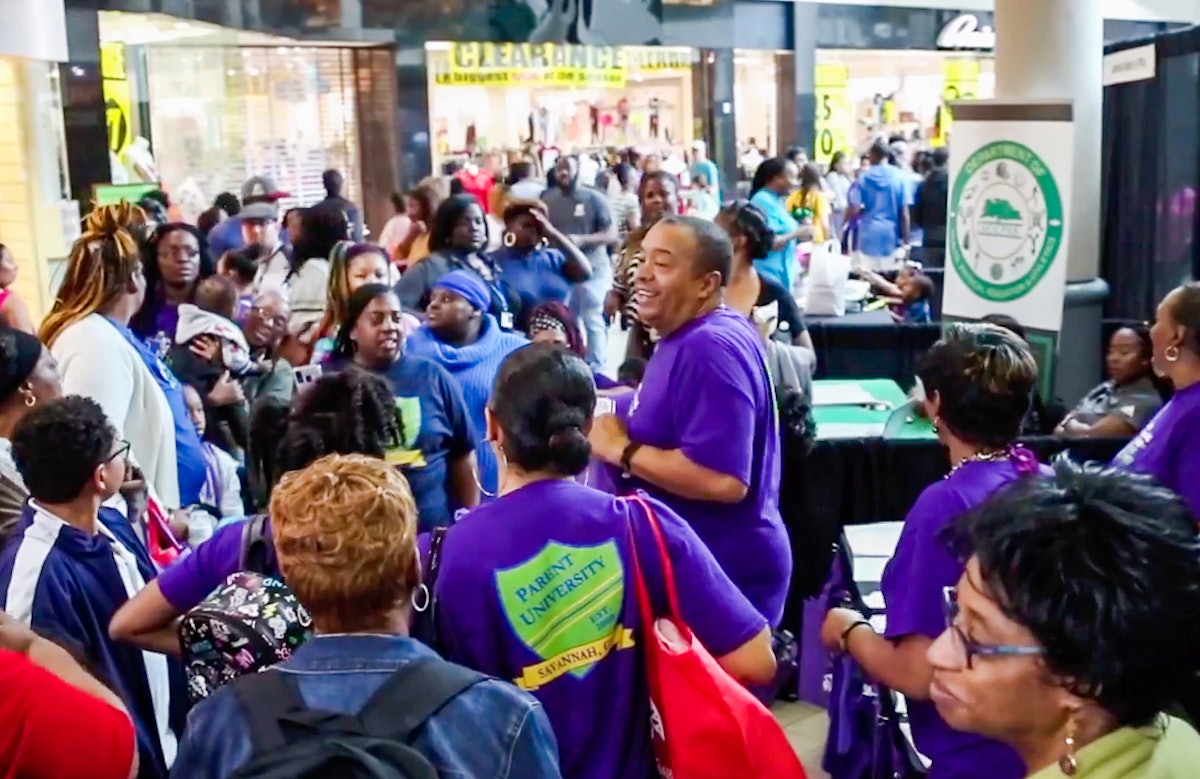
(977, 382)
(1074, 627)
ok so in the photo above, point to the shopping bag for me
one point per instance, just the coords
(704, 724)
(828, 272)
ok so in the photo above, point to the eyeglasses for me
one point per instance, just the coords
(970, 649)
(122, 452)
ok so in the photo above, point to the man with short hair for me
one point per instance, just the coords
(334, 183)
(71, 563)
(584, 216)
(930, 210)
(879, 202)
(228, 235)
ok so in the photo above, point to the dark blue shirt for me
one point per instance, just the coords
(436, 428)
(490, 730)
(67, 585)
(538, 276)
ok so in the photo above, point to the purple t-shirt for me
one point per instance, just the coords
(1168, 448)
(706, 392)
(537, 588)
(912, 587)
(192, 578)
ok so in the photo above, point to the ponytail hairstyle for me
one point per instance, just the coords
(767, 170)
(104, 260)
(749, 222)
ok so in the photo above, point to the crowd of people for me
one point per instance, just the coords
(314, 499)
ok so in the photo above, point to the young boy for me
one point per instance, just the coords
(907, 297)
(65, 572)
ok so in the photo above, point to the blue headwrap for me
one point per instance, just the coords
(467, 286)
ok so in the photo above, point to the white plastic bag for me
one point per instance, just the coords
(828, 272)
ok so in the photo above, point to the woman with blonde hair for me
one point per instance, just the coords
(87, 332)
(345, 534)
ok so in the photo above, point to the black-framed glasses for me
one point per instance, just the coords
(122, 452)
(972, 649)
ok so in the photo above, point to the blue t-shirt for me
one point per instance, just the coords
(881, 193)
(537, 276)
(189, 451)
(709, 169)
(436, 429)
(779, 264)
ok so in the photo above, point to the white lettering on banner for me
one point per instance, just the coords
(964, 32)
(1124, 67)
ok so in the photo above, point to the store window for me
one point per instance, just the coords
(220, 115)
(756, 101)
(863, 94)
(497, 99)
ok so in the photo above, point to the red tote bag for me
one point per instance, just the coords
(705, 725)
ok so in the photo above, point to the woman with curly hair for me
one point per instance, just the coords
(100, 357)
(350, 413)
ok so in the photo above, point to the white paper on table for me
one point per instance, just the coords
(878, 539)
(828, 431)
(841, 394)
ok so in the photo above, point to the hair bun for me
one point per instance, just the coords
(566, 442)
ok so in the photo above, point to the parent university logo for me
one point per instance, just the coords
(1006, 221)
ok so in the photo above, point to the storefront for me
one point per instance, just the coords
(38, 221)
(493, 101)
(201, 108)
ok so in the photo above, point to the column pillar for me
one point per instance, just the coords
(1053, 50)
(804, 44)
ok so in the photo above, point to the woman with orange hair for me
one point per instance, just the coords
(87, 331)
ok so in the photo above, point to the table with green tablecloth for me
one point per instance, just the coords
(861, 408)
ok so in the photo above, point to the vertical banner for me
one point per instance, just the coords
(960, 81)
(835, 114)
(1008, 223)
(118, 100)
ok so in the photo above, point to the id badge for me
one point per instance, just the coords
(506, 320)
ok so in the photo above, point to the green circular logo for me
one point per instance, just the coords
(1005, 222)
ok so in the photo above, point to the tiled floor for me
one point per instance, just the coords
(806, 726)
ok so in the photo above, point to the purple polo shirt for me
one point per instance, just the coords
(706, 392)
(912, 586)
(193, 577)
(1168, 447)
(537, 588)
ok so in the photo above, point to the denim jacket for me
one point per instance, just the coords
(491, 730)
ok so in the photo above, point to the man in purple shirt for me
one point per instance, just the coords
(703, 435)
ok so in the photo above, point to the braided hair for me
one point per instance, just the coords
(103, 261)
(748, 221)
(351, 412)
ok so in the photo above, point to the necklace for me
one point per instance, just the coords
(984, 456)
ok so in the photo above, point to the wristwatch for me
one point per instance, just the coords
(627, 454)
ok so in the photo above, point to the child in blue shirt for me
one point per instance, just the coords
(907, 297)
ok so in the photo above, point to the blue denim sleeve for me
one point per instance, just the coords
(216, 741)
(534, 752)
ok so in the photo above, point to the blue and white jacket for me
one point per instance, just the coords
(67, 585)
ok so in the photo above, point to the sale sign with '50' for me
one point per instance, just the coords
(835, 113)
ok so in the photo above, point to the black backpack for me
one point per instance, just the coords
(292, 741)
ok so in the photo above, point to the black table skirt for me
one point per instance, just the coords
(859, 481)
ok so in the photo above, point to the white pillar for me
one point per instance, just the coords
(1054, 49)
(33, 29)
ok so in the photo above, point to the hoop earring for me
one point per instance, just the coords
(1171, 353)
(510, 240)
(502, 465)
(1069, 763)
(27, 393)
(425, 600)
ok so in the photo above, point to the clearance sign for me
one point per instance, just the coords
(553, 64)
(118, 99)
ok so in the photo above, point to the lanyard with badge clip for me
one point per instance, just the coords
(491, 277)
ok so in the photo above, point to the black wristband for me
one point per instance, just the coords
(627, 454)
(846, 633)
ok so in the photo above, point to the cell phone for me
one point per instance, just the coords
(605, 406)
(307, 374)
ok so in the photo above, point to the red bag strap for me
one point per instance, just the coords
(668, 571)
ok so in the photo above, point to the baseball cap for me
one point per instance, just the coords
(261, 188)
(259, 211)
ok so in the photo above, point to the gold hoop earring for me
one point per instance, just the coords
(1171, 353)
(27, 393)
(1069, 763)
(510, 240)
